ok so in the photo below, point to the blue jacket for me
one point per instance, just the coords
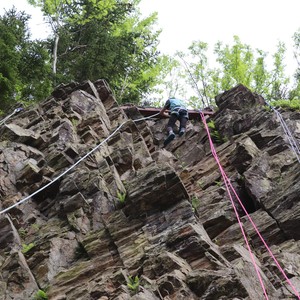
(173, 103)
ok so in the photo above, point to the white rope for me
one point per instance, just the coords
(73, 166)
(291, 139)
(9, 116)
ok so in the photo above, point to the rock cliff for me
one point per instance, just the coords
(132, 220)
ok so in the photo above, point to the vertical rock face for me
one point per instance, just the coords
(135, 221)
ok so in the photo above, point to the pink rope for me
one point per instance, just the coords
(264, 242)
(228, 183)
(233, 205)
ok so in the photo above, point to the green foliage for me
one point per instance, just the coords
(195, 202)
(22, 232)
(200, 184)
(133, 283)
(278, 80)
(74, 122)
(296, 38)
(236, 64)
(103, 39)
(202, 76)
(35, 226)
(26, 248)
(40, 295)
(211, 124)
(121, 196)
(218, 183)
(23, 63)
(240, 64)
(183, 165)
(109, 39)
(293, 104)
(169, 78)
(216, 136)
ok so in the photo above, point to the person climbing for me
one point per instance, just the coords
(179, 112)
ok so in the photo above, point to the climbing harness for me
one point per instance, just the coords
(289, 135)
(228, 186)
(180, 111)
(9, 116)
(74, 165)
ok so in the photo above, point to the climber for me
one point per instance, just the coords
(179, 112)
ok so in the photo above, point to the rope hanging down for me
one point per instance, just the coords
(74, 165)
(292, 140)
(229, 185)
(214, 153)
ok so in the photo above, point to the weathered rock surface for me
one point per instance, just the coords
(131, 208)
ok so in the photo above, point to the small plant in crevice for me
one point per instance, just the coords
(211, 124)
(216, 136)
(40, 295)
(74, 122)
(26, 248)
(183, 166)
(35, 227)
(195, 202)
(218, 183)
(22, 232)
(200, 184)
(267, 108)
(122, 197)
(217, 242)
(133, 283)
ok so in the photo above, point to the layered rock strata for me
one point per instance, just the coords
(135, 221)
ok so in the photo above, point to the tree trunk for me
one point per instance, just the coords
(55, 54)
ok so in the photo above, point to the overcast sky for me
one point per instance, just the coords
(259, 23)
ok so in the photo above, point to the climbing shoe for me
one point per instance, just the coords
(181, 132)
(169, 139)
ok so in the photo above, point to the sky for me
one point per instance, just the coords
(258, 23)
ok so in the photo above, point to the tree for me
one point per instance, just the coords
(261, 76)
(279, 81)
(295, 92)
(103, 39)
(58, 12)
(55, 11)
(202, 78)
(296, 38)
(22, 62)
(236, 63)
(12, 30)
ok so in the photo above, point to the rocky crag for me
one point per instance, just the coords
(136, 221)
